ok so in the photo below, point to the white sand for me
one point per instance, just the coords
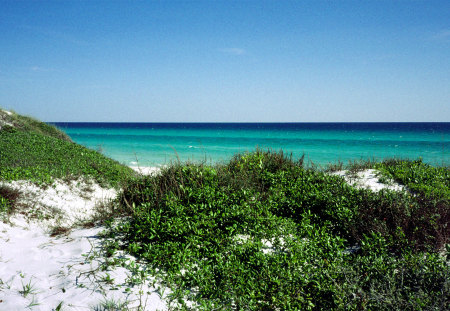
(63, 203)
(38, 272)
(146, 170)
(368, 179)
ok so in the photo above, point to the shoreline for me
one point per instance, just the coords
(155, 144)
(56, 255)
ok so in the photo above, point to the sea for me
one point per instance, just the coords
(159, 144)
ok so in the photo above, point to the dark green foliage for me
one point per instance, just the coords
(265, 233)
(404, 220)
(5, 205)
(377, 280)
(8, 198)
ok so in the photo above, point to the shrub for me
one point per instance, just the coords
(403, 219)
(265, 233)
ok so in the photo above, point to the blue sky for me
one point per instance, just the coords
(226, 61)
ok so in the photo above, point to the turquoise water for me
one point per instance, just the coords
(155, 144)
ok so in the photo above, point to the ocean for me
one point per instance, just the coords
(157, 144)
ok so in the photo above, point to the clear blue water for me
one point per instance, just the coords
(155, 144)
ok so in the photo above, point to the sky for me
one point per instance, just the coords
(226, 61)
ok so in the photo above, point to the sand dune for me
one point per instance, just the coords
(40, 272)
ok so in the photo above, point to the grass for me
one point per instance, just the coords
(27, 289)
(265, 233)
(29, 124)
(39, 152)
(111, 305)
(44, 158)
(8, 197)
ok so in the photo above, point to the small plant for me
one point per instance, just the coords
(4, 205)
(112, 305)
(27, 289)
(108, 279)
(359, 165)
(57, 231)
(8, 198)
(33, 303)
(334, 167)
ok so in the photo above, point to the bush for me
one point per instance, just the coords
(265, 233)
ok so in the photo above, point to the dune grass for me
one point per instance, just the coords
(31, 125)
(36, 151)
(31, 156)
(41, 153)
(264, 233)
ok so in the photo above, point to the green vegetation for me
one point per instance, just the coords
(5, 205)
(36, 151)
(7, 198)
(43, 158)
(28, 124)
(264, 233)
(419, 177)
(27, 289)
(111, 305)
